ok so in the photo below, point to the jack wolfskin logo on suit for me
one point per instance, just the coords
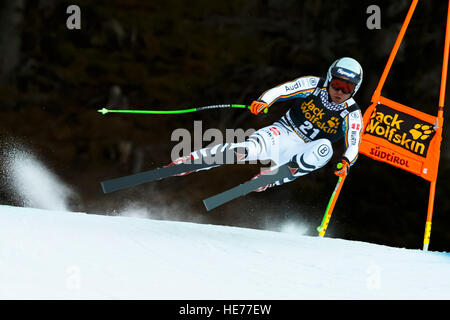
(317, 117)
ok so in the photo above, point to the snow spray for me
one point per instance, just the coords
(32, 183)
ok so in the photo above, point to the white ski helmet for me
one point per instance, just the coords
(347, 68)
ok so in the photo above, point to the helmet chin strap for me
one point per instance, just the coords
(329, 95)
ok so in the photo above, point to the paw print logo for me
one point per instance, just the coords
(421, 131)
(333, 122)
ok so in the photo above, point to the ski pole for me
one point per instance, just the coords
(219, 106)
(329, 211)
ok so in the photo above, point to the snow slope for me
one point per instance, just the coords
(48, 254)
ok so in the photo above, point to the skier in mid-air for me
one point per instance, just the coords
(323, 112)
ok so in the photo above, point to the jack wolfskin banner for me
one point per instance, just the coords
(403, 137)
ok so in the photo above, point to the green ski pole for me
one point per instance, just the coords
(219, 106)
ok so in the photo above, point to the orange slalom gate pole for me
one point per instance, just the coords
(426, 239)
(394, 51)
(444, 66)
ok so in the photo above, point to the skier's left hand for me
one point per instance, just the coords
(342, 168)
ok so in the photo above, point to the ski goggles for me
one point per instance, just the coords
(344, 86)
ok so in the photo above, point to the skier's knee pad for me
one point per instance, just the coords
(316, 155)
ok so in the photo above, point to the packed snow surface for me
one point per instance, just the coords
(47, 254)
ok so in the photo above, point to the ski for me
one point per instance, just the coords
(133, 180)
(270, 176)
(200, 160)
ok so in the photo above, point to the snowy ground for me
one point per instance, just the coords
(52, 253)
(62, 255)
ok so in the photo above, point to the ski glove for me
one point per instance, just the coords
(258, 106)
(342, 168)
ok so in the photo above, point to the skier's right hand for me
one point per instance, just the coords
(258, 106)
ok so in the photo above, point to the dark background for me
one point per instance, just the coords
(178, 54)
